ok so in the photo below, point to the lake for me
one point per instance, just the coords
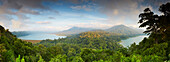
(129, 41)
(41, 36)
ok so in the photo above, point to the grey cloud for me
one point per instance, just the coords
(154, 3)
(19, 9)
(28, 11)
(78, 1)
(124, 11)
(51, 17)
(22, 5)
(120, 11)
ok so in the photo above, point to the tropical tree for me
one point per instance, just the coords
(156, 25)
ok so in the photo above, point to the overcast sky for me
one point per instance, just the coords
(57, 15)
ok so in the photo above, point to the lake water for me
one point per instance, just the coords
(41, 36)
(129, 41)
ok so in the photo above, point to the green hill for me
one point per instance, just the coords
(11, 47)
(95, 37)
(124, 30)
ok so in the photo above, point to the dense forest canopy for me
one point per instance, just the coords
(94, 46)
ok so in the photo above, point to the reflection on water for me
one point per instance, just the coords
(129, 41)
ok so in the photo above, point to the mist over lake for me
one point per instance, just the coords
(40, 36)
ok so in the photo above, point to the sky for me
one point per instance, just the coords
(58, 15)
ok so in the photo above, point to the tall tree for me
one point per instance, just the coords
(156, 25)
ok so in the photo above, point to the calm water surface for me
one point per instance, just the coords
(41, 36)
(129, 41)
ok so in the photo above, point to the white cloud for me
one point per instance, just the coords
(115, 12)
(1, 23)
(43, 22)
(96, 25)
(48, 28)
(16, 24)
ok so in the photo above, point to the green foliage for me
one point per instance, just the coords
(92, 39)
(157, 46)
(22, 60)
(77, 59)
(41, 59)
(139, 58)
(9, 56)
(59, 58)
(18, 59)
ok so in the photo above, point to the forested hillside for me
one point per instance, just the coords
(124, 30)
(87, 46)
(94, 46)
(11, 47)
(91, 39)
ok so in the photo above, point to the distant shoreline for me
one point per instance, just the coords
(33, 41)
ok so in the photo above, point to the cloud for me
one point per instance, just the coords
(82, 7)
(122, 11)
(49, 28)
(96, 25)
(23, 6)
(1, 23)
(18, 13)
(28, 11)
(51, 17)
(11, 10)
(43, 22)
(5, 20)
(115, 12)
(78, 1)
(16, 24)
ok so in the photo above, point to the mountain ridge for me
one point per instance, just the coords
(74, 30)
(120, 29)
(124, 30)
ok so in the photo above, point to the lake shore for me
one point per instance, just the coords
(131, 40)
(33, 41)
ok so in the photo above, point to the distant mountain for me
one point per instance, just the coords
(74, 30)
(20, 33)
(118, 29)
(124, 30)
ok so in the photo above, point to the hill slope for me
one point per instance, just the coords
(74, 30)
(11, 47)
(91, 39)
(122, 29)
